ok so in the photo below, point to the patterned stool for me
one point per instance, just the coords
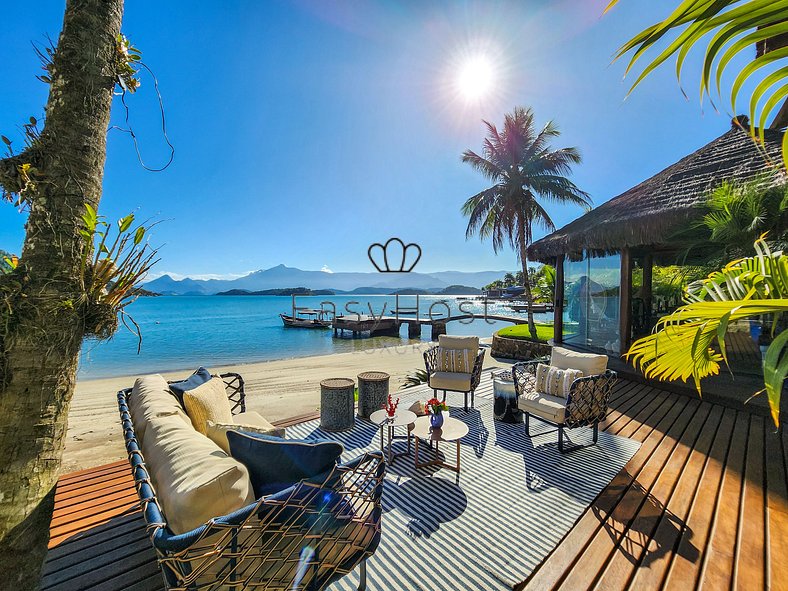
(336, 404)
(373, 390)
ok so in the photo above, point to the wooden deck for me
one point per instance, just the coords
(702, 505)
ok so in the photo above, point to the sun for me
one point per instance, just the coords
(475, 78)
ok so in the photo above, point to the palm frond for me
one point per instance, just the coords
(734, 26)
(681, 347)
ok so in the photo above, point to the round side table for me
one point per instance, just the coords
(336, 404)
(505, 407)
(373, 390)
(402, 418)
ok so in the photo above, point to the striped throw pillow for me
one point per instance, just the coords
(554, 381)
(454, 360)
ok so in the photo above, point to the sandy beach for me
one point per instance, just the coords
(276, 389)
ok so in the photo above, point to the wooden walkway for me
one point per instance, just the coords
(702, 505)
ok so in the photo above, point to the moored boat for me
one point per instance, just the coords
(306, 318)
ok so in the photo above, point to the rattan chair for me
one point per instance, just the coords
(586, 404)
(431, 363)
(302, 538)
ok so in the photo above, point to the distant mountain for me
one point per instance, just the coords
(277, 292)
(281, 276)
(460, 290)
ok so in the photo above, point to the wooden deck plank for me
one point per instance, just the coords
(776, 511)
(717, 571)
(655, 530)
(604, 542)
(683, 563)
(749, 568)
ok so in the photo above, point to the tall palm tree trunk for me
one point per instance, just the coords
(43, 305)
(529, 299)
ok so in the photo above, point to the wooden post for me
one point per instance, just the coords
(648, 268)
(625, 301)
(558, 300)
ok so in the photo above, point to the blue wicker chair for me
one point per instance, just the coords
(304, 537)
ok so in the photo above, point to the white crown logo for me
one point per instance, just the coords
(393, 252)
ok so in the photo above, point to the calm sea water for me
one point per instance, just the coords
(183, 332)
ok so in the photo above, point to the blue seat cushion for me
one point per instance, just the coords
(198, 378)
(275, 463)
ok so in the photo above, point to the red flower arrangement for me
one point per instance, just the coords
(390, 407)
(435, 406)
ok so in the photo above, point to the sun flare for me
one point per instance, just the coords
(475, 78)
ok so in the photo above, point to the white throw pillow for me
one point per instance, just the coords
(555, 381)
(250, 422)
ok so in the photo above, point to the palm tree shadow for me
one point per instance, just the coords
(478, 434)
(655, 532)
(427, 502)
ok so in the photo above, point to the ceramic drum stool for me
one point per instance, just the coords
(373, 390)
(336, 404)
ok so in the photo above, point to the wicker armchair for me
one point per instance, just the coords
(459, 382)
(585, 405)
(304, 537)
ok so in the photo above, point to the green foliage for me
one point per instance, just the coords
(120, 261)
(126, 59)
(544, 284)
(682, 345)
(738, 214)
(544, 332)
(729, 27)
(416, 378)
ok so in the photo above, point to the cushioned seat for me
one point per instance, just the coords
(591, 364)
(446, 380)
(150, 398)
(545, 406)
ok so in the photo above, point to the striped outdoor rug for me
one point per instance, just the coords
(516, 498)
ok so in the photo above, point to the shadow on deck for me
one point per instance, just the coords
(702, 504)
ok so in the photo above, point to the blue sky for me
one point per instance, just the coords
(304, 131)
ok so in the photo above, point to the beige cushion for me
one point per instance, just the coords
(589, 363)
(251, 422)
(554, 381)
(454, 342)
(151, 397)
(208, 402)
(444, 380)
(454, 360)
(552, 408)
(195, 481)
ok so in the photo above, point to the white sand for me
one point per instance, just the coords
(276, 389)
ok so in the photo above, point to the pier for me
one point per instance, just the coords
(391, 325)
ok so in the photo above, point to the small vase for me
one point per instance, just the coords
(436, 420)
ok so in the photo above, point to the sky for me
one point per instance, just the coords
(306, 130)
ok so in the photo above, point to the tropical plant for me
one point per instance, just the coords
(738, 213)
(544, 288)
(730, 26)
(416, 378)
(525, 170)
(682, 344)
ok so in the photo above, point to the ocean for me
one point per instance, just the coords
(183, 332)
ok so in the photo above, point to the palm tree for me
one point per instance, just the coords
(524, 169)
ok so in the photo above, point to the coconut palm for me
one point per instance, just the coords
(526, 171)
(681, 347)
(728, 27)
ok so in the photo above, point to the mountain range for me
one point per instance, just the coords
(282, 276)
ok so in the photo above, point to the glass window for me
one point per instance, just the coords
(592, 290)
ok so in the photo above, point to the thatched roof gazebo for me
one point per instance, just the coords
(639, 223)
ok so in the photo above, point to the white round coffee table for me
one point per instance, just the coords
(401, 418)
(452, 430)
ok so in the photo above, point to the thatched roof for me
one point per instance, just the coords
(648, 213)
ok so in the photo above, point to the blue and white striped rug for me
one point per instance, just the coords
(516, 499)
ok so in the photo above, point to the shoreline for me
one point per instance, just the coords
(277, 389)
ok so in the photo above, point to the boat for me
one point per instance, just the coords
(537, 308)
(306, 318)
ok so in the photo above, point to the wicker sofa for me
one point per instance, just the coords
(306, 536)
